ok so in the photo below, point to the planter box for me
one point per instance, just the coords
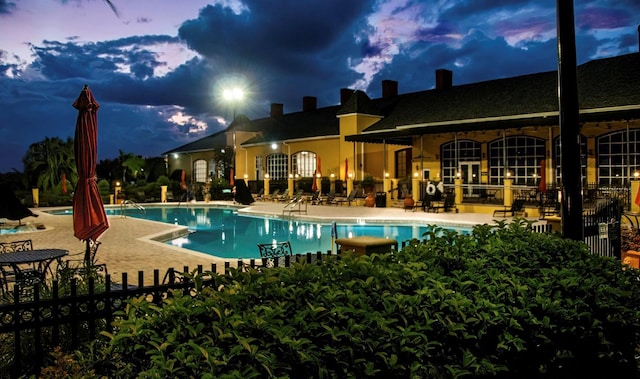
(631, 258)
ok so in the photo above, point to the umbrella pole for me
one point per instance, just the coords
(87, 252)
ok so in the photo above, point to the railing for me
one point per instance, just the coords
(295, 205)
(123, 207)
(38, 323)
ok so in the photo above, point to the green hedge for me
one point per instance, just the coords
(501, 302)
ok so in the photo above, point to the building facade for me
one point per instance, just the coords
(480, 133)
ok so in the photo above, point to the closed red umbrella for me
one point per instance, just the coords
(64, 183)
(89, 218)
(314, 185)
(542, 186)
(346, 169)
(183, 180)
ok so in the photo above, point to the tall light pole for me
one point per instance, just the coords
(571, 221)
(234, 96)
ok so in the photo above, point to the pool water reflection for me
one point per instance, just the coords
(222, 232)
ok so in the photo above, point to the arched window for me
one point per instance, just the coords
(304, 163)
(277, 166)
(521, 155)
(455, 152)
(583, 159)
(618, 157)
(200, 171)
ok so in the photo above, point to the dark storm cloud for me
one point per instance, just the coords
(6, 6)
(602, 18)
(477, 8)
(300, 47)
(478, 58)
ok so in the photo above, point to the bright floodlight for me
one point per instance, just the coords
(233, 94)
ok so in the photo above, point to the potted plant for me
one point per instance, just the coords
(368, 183)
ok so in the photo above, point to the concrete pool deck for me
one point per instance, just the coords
(129, 246)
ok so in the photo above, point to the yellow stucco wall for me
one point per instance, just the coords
(369, 158)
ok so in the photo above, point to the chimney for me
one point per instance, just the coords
(309, 103)
(345, 94)
(444, 78)
(389, 88)
(277, 109)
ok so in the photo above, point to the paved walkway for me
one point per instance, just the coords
(128, 245)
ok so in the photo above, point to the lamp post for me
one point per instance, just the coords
(234, 96)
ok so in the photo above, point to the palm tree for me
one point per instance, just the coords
(133, 163)
(46, 161)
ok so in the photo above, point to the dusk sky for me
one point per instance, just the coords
(158, 68)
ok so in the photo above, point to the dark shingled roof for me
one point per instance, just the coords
(203, 144)
(511, 102)
(608, 89)
(307, 124)
(360, 103)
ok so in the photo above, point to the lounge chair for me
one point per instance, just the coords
(315, 198)
(273, 195)
(348, 199)
(259, 195)
(517, 208)
(330, 199)
(447, 205)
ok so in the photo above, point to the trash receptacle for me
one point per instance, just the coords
(381, 199)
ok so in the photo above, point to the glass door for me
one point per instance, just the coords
(470, 174)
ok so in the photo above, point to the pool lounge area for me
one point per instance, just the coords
(131, 245)
(227, 232)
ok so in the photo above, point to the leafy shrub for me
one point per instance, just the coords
(217, 187)
(501, 302)
(103, 188)
(163, 180)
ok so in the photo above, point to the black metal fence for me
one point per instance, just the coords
(602, 230)
(32, 327)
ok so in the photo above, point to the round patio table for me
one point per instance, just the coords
(30, 265)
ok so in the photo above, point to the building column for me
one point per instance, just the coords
(386, 187)
(458, 190)
(508, 192)
(635, 187)
(266, 185)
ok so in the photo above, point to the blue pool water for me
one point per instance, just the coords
(224, 233)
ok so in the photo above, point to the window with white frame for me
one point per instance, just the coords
(200, 170)
(451, 153)
(304, 163)
(618, 157)
(521, 157)
(259, 167)
(583, 159)
(278, 166)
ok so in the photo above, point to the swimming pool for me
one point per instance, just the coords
(223, 232)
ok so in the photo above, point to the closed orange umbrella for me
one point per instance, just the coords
(346, 169)
(542, 186)
(89, 218)
(64, 183)
(314, 186)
